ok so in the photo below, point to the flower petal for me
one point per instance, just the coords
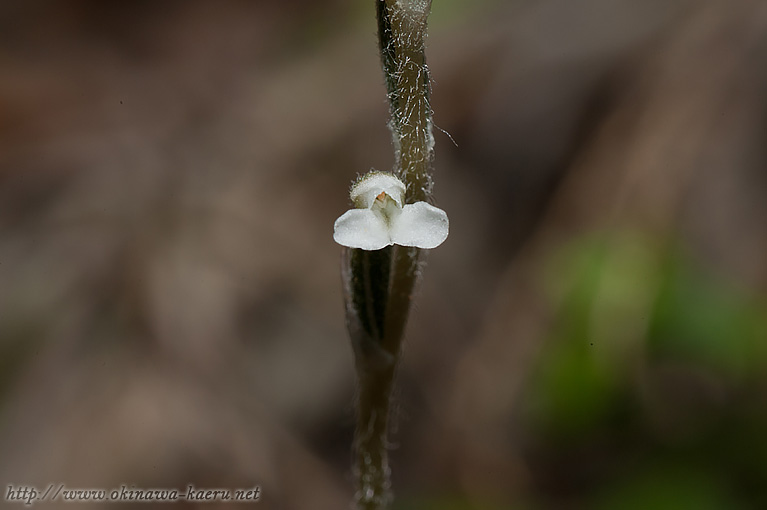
(421, 225)
(361, 228)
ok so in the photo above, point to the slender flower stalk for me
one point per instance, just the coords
(384, 238)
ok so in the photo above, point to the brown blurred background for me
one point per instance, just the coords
(593, 334)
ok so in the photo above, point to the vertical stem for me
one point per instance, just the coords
(372, 459)
(402, 40)
(379, 285)
(376, 324)
(367, 276)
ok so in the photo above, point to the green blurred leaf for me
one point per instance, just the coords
(701, 319)
(668, 487)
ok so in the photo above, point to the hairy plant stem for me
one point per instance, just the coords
(402, 41)
(379, 285)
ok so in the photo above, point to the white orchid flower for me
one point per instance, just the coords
(380, 218)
